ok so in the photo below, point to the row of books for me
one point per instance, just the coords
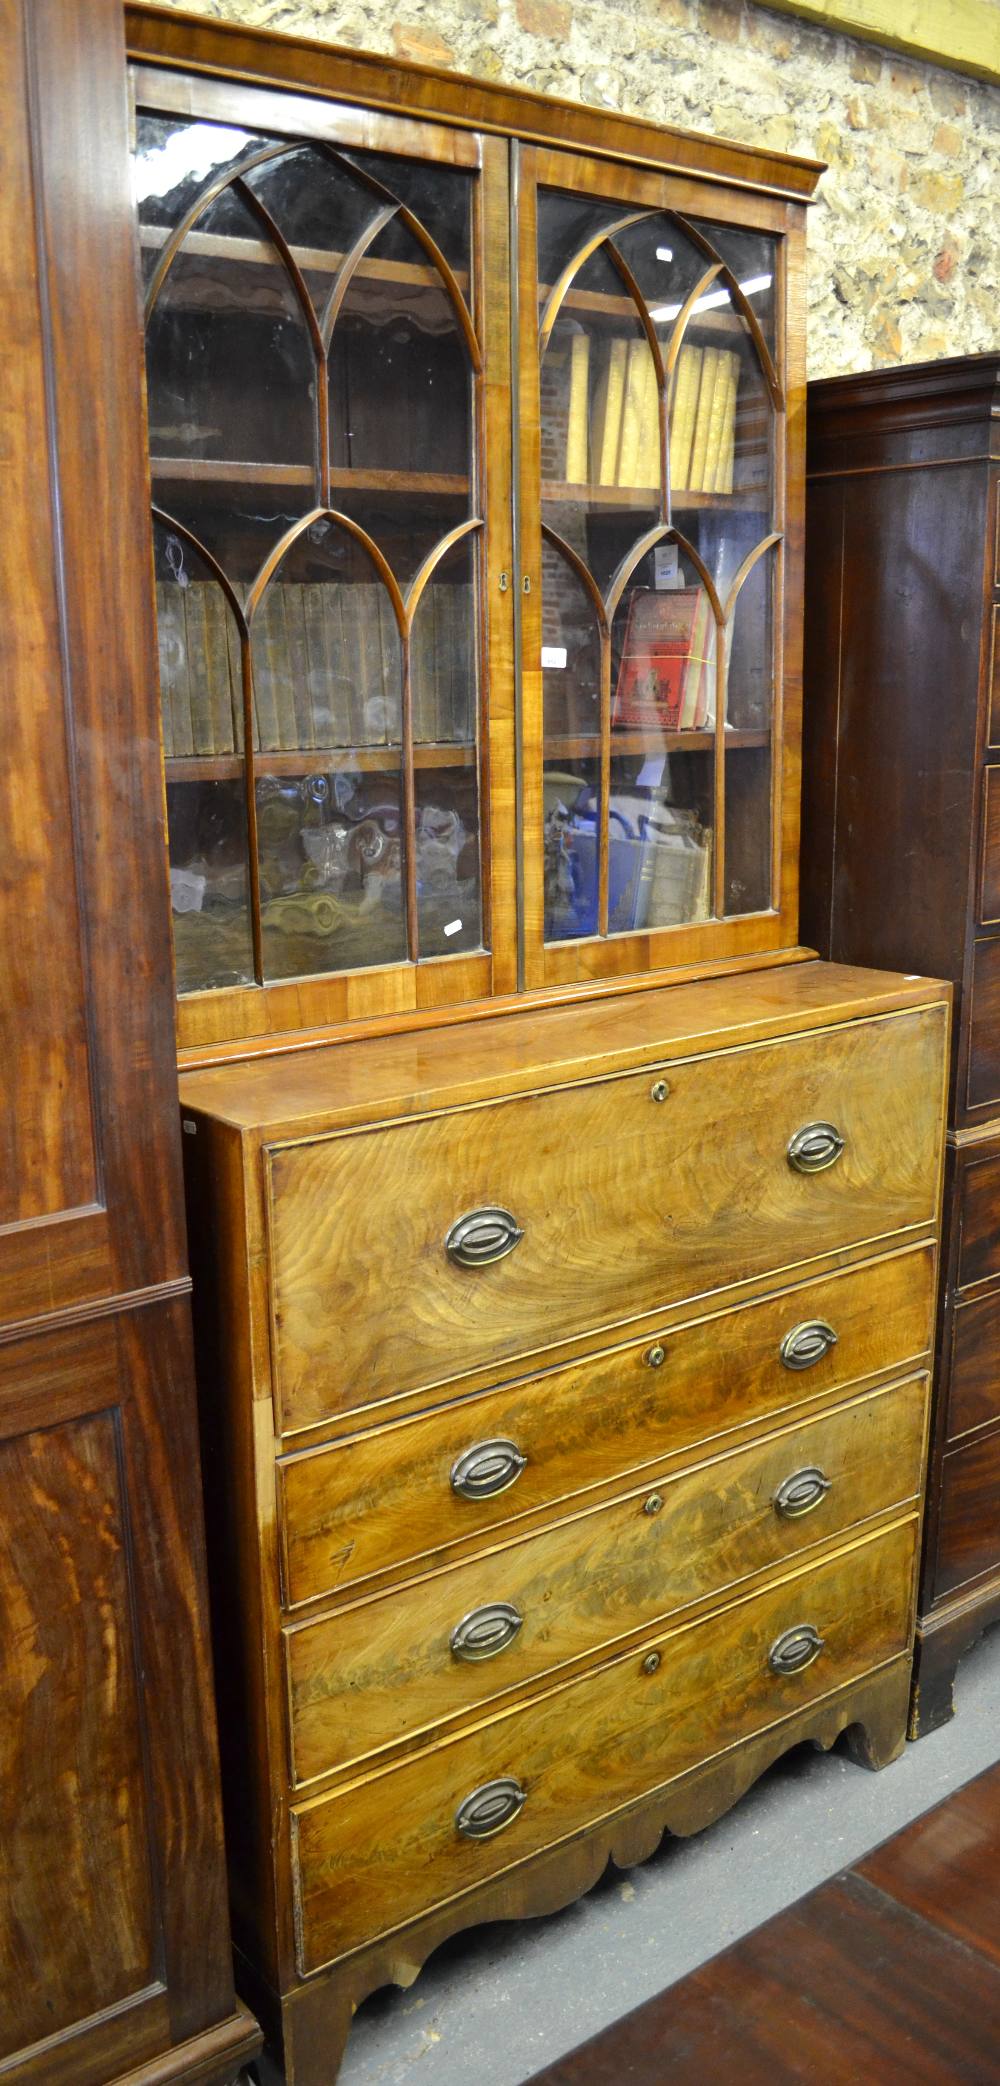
(327, 668)
(616, 441)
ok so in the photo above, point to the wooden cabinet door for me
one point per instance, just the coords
(113, 1930)
(327, 358)
(658, 362)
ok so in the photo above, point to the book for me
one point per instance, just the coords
(298, 665)
(700, 664)
(235, 652)
(727, 449)
(682, 416)
(608, 413)
(655, 660)
(648, 463)
(723, 410)
(171, 634)
(577, 461)
(266, 658)
(711, 361)
(196, 614)
(637, 363)
(423, 669)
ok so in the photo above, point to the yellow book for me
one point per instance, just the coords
(639, 362)
(716, 425)
(711, 365)
(577, 460)
(682, 417)
(607, 430)
(648, 464)
(724, 481)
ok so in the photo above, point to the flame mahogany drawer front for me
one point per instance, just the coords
(372, 1856)
(453, 1477)
(392, 1667)
(412, 1253)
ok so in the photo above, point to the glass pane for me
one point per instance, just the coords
(440, 197)
(201, 709)
(572, 797)
(327, 672)
(231, 386)
(722, 443)
(666, 265)
(400, 392)
(444, 693)
(749, 743)
(565, 223)
(174, 162)
(571, 660)
(661, 802)
(320, 207)
(751, 256)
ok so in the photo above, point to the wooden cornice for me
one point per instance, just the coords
(190, 43)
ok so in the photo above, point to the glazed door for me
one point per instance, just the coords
(327, 352)
(653, 571)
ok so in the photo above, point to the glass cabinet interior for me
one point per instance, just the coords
(401, 773)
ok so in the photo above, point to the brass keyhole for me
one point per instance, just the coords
(653, 1504)
(659, 1090)
(655, 1356)
(651, 1662)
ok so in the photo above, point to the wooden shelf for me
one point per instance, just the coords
(601, 304)
(311, 260)
(628, 742)
(228, 767)
(627, 497)
(200, 470)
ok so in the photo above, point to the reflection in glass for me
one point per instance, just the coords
(326, 648)
(320, 207)
(330, 856)
(174, 161)
(444, 696)
(201, 711)
(571, 838)
(660, 806)
(751, 257)
(400, 382)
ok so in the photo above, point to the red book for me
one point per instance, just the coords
(659, 630)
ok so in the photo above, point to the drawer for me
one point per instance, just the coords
(625, 1195)
(419, 1487)
(969, 1525)
(974, 1384)
(390, 1668)
(979, 1217)
(386, 1848)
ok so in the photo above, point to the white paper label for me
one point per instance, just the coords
(553, 655)
(667, 566)
(452, 927)
(650, 774)
(187, 890)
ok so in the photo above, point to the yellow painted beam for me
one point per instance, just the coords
(962, 34)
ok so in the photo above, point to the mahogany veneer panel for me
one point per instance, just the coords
(975, 1365)
(984, 1026)
(979, 1217)
(969, 1528)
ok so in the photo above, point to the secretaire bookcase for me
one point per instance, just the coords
(565, 1233)
(902, 785)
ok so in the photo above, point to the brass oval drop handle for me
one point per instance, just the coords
(483, 1236)
(489, 1808)
(487, 1468)
(485, 1631)
(814, 1147)
(795, 1649)
(800, 1492)
(806, 1344)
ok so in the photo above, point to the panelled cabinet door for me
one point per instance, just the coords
(321, 320)
(652, 476)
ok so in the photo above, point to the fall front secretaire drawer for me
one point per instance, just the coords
(414, 1252)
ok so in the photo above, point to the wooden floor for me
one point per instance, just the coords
(890, 1972)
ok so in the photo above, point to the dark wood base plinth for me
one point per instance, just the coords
(943, 1638)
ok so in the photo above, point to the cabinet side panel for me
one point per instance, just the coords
(912, 554)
